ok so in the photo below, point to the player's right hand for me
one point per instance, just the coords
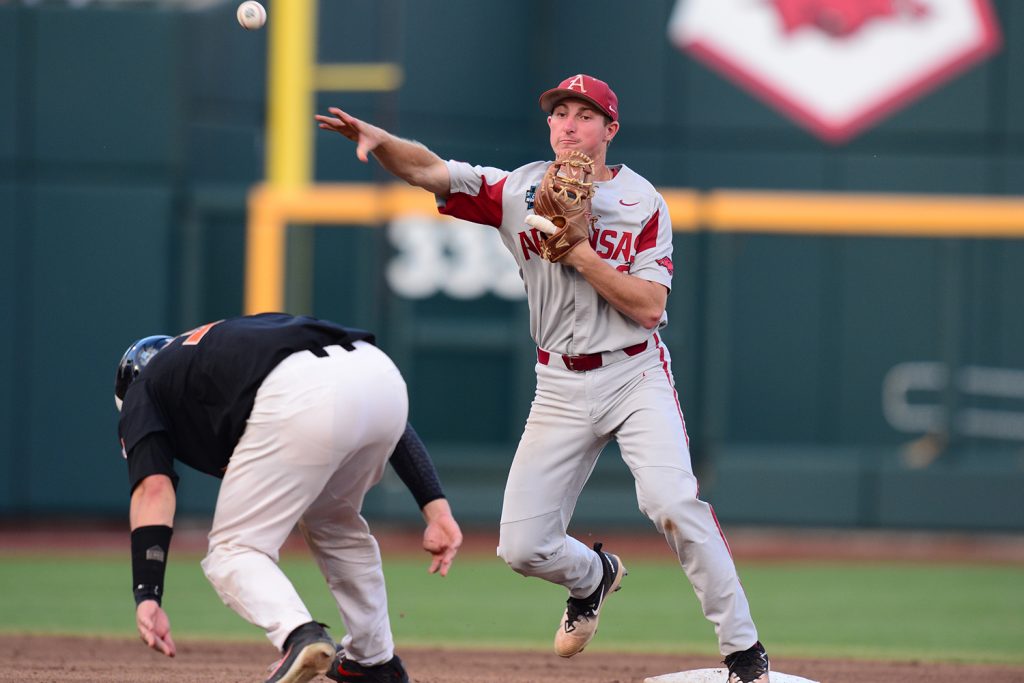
(442, 538)
(154, 627)
(367, 137)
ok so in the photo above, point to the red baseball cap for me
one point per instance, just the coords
(583, 87)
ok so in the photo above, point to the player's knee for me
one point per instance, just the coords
(521, 560)
(670, 501)
(224, 564)
(213, 565)
(521, 553)
(686, 520)
(659, 486)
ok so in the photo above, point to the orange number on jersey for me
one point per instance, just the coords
(196, 335)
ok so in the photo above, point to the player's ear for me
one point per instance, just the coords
(611, 130)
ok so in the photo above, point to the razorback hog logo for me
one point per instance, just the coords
(665, 263)
(843, 18)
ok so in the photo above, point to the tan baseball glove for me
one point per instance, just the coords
(563, 198)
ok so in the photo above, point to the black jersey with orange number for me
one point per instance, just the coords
(194, 397)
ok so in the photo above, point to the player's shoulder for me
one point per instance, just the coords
(534, 165)
(534, 169)
(139, 410)
(526, 170)
(525, 177)
(467, 173)
(636, 194)
(627, 177)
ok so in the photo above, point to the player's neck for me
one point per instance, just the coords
(602, 172)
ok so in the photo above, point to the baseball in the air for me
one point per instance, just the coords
(251, 15)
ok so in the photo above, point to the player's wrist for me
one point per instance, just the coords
(436, 508)
(144, 593)
(583, 258)
(150, 545)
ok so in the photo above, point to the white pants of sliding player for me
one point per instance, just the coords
(319, 436)
(574, 415)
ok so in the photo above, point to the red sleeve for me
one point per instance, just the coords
(484, 208)
(648, 237)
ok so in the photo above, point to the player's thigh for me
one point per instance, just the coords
(654, 445)
(555, 457)
(650, 427)
(279, 464)
(262, 497)
(335, 516)
(368, 422)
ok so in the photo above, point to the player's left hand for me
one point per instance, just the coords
(442, 537)
(154, 627)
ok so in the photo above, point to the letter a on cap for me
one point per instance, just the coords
(577, 83)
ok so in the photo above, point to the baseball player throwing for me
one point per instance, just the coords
(299, 417)
(594, 245)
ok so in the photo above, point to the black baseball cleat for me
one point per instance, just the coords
(346, 670)
(307, 654)
(579, 622)
(748, 666)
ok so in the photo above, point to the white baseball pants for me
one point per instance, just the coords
(319, 436)
(574, 415)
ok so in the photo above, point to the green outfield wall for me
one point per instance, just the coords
(841, 380)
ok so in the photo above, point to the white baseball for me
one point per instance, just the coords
(251, 15)
(541, 223)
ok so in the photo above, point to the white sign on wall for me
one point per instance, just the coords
(990, 400)
(836, 66)
(453, 257)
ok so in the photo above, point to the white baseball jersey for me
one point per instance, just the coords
(633, 232)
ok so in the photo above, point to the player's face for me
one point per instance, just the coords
(576, 125)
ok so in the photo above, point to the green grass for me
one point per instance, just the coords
(884, 611)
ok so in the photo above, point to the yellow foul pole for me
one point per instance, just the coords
(291, 55)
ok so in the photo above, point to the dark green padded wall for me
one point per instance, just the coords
(11, 394)
(132, 166)
(9, 111)
(93, 248)
(92, 299)
(119, 107)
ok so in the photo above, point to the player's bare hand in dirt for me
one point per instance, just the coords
(442, 537)
(154, 627)
(366, 136)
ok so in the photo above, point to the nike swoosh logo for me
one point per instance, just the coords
(625, 204)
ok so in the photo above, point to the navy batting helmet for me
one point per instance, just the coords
(132, 362)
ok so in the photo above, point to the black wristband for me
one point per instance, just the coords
(150, 545)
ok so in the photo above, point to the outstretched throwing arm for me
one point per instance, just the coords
(406, 159)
